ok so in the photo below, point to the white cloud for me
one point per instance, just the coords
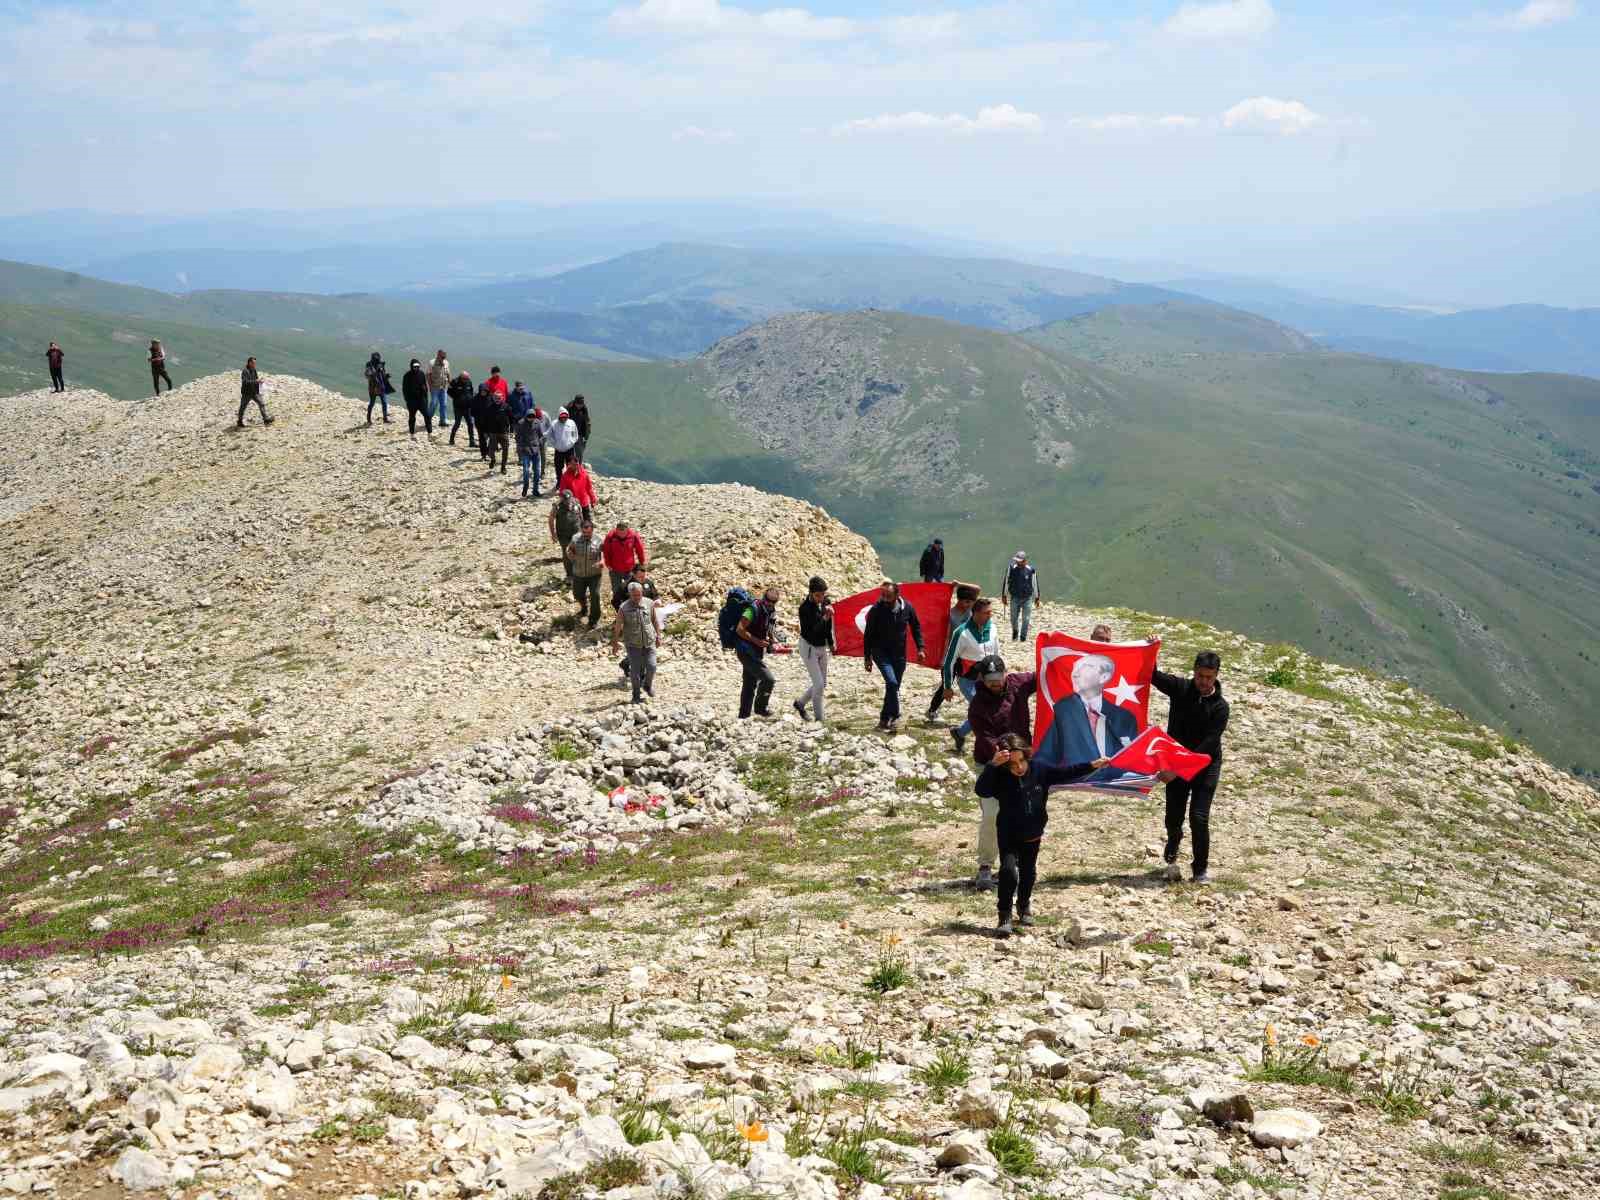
(1536, 14)
(998, 118)
(1265, 114)
(712, 18)
(695, 133)
(1124, 122)
(1226, 19)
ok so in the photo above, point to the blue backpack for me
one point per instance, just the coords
(732, 613)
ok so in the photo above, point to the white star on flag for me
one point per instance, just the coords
(1125, 693)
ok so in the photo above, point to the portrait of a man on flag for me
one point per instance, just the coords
(1094, 697)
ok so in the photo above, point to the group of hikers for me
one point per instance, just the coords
(1012, 784)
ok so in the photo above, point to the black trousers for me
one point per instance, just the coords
(1194, 799)
(562, 457)
(586, 588)
(56, 381)
(472, 433)
(411, 417)
(755, 690)
(246, 401)
(1019, 867)
(489, 441)
(158, 372)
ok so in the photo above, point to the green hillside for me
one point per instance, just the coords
(1124, 335)
(360, 322)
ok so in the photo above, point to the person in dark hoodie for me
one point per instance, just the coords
(494, 424)
(379, 389)
(1197, 717)
(158, 366)
(816, 645)
(530, 451)
(461, 393)
(578, 410)
(521, 402)
(884, 647)
(414, 387)
(931, 565)
(997, 708)
(1020, 788)
(55, 356)
(250, 390)
(482, 402)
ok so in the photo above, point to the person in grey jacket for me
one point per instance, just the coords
(250, 389)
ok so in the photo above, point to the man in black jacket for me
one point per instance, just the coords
(931, 565)
(414, 387)
(884, 647)
(461, 394)
(1196, 719)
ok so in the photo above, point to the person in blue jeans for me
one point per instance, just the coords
(1018, 591)
(972, 641)
(889, 621)
(438, 386)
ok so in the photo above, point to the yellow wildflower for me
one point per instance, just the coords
(505, 983)
(1272, 1034)
(753, 1132)
(1311, 1040)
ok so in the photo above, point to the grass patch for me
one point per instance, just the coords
(1014, 1151)
(949, 1069)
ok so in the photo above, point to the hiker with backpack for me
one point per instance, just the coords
(578, 410)
(461, 393)
(379, 389)
(749, 627)
(563, 440)
(414, 387)
(250, 390)
(816, 645)
(587, 560)
(530, 451)
(1019, 591)
(438, 387)
(158, 366)
(884, 647)
(624, 549)
(566, 519)
(638, 626)
(55, 356)
(931, 565)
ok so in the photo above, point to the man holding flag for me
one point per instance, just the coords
(1196, 720)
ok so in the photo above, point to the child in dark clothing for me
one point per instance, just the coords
(1021, 789)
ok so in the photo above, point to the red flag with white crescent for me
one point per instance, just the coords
(1100, 690)
(1133, 770)
(932, 604)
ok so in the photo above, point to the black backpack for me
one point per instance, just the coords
(732, 613)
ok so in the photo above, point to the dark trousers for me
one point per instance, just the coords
(937, 702)
(587, 588)
(57, 383)
(411, 417)
(246, 401)
(755, 691)
(1019, 867)
(562, 458)
(1195, 798)
(893, 671)
(158, 372)
(379, 398)
(566, 562)
(490, 440)
(472, 433)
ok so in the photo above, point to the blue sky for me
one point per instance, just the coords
(1056, 122)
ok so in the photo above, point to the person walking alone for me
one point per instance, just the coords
(816, 645)
(461, 393)
(438, 387)
(757, 632)
(1197, 717)
(414, 387)
(931, 565)
(55, 356)
(379, 389)
(1018, 592)
(884, 647)
(587, 560)
(250, 389)
(158, 366)
(638, 625)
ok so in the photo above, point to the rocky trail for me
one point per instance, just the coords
(334, 863)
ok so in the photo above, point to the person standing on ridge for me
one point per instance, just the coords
(931, 565)
(999, 707)
(414, 387)
(1019, 590)
(55, 356)
(158, 366)
(638, 626)
(757, 632)
(438, 387)
(884, 647)
(587, 561)
(579, 412)
(961, 607)
(379, 389)
(563, 440)
(816, 645)
(1197, 717)
(974, 640)
(566, 519)
(461, 393)
(250, 389)
(624, 549)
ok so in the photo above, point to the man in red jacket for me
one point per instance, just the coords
(623, 549)
(577, 480)
(496, 383)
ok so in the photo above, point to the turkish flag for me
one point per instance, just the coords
(1134, 768)
(932, 604)
(1100, 691)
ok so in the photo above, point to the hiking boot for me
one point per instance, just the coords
(960, 739)
(240, 425)
(1172, 873)
(891, 726)
(984, 880)
(1202, 878)
(269, 420)
(1004, 929)
(1024, 919)
(387, 421)
(799, 707)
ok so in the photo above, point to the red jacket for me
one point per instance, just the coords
(497, 384)
(622, 550)
(577, 481)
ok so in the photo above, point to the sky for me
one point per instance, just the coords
(1074, 125)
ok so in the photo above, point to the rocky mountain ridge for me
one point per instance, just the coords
(335, 864)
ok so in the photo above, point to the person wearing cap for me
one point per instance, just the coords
(563, 440)
(931, 565)
(998, 707)
(414, 388)
(438, 387)
(884, 646)
(1019, 590)
(974, 640)
(461, 393)
(816, 645)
